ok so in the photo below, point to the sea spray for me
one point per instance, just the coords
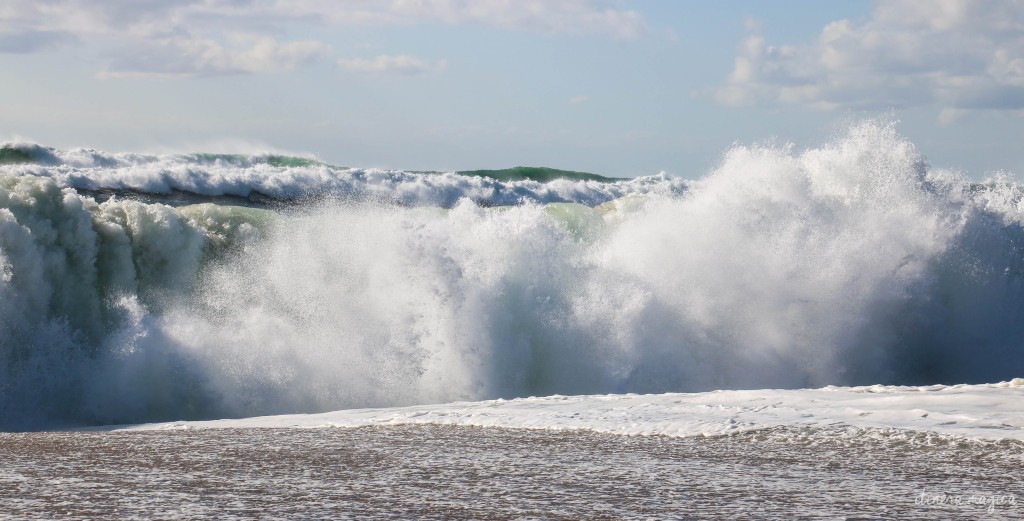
(853, 263)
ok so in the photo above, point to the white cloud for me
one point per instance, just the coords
(960, 55)
(171, 38)
(576, 100)
(190, 57)
(403, 65)
(550, 16)
(152, 38)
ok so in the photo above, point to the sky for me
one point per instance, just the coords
(615, 87)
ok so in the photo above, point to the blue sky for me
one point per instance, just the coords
(621, 88)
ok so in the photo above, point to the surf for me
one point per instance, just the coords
(852, 263)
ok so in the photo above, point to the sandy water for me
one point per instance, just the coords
(441, 472)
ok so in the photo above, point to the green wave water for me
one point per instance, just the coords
(540, 174)
(13, 155)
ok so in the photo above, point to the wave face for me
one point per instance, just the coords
(853, 263)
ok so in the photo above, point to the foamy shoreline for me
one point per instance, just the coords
(986, 411)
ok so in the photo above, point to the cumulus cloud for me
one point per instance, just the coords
(174, 38)
(403, 65)
(961, 55)
(576, 100)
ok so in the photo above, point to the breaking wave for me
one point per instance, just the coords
(852, 263)
(273, 180)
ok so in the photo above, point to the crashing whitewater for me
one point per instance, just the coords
(287, 285)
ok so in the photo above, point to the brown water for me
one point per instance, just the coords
(440, 472)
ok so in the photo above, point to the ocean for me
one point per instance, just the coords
(444, 472)
(155, 288)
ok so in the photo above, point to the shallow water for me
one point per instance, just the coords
(490, 473)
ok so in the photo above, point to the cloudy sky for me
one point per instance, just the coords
(615, 87)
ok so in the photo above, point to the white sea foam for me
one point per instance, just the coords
(853, 263)
(986, 412)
